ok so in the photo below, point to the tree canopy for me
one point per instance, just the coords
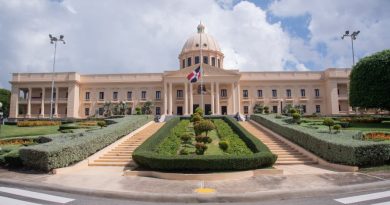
(5, 98)
(370, 82)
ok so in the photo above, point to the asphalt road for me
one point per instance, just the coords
(18, 195)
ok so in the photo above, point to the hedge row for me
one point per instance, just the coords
(66, 149)
(37, 123)
(147, 157)
(339, 148)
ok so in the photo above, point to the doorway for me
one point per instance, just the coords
(179, 110)
(224, 110)
(207, 109)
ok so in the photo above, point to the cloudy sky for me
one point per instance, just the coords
(147, 36)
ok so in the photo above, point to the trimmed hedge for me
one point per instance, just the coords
(66, 149)
(37, 123)
(146, 155)
(339, 148)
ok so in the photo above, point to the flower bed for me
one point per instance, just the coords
(37, 123)
(343, 147)
(150, 155)
(376, 136)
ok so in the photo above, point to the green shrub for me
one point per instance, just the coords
(296, 117)
(203, 126)
(266, 109)
(224, 145)
(328, 122)
(101, 124)
(147, 157)
(184, 152)
(196, 117)
(35, 123)
(199, 111)
(200, 148)
(258, 109)
(340, 148)
(66, 149)
(12, 159)
(337, 128)
(278, 116)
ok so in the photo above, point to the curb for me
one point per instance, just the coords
(206, 198)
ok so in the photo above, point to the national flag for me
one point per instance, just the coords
(194, 75)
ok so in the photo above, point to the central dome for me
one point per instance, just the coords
(208, 42)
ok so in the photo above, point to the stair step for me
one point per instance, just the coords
(116, 157)
(118, 164)
(294, 162)
(113, 160)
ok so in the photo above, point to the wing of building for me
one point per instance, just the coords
(224, 91)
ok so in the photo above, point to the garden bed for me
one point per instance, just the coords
(344, 147)
(163, 151)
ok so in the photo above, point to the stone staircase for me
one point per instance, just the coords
(287, 155)
(120, 155)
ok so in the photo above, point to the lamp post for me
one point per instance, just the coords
(54, 40)
(353, 37)
(1, 115)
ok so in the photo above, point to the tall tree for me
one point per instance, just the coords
(370, 82)
(5, 98)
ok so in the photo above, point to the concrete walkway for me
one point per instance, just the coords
(287, 155)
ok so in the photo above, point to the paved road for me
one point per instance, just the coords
(15, 195)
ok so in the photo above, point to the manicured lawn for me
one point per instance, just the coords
(370, 127)
(213, 147)
(7, 131)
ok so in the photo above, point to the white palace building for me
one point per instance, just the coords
(224, 91)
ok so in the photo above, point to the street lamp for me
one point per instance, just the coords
(353, 37)
(54, 40)
(1, 114)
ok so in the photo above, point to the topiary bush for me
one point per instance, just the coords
(296, 117)
(224, 145)
(337, 128)
(203, 126)
(328, 122)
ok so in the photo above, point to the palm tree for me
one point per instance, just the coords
(107, 109)
(122, 107)
(147, 108)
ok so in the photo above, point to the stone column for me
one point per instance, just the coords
(233, 99)
(238, 97)
(165, 99)
(212, 98)
(42, 114)
(56, 102)
(217, 99)
(170, 99)
(191, 100)
(29, 102)
(185, 98)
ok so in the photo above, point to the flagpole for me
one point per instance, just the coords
(201, 70)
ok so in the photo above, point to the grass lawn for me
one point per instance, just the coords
(370, 127)
(7, 131)
(213, 147)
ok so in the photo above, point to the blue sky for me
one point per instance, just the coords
(147, 36)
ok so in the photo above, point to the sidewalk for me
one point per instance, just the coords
(109, 182)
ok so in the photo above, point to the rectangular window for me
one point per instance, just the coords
(274, 93)
(317, 92)
(129, 95)
(318, 108)
(87, 111)
(158, 95)
(101, 111)
(304, 108)
(101, 95)
(87, 95)
(213, 61)
(196, 59)
(246, 109)
(223, 93)
(275, 109)
(205, 59)
(115, 95)
(245, 93)
(183, 64)
(143, 95)
(219, 63)
(288, 93)
(189, 62)
(303, 93)
(259, 93)
(179, 94)
(158, 111)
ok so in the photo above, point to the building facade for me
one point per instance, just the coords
(224, 91)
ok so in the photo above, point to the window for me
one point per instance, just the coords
(158, 95)
(259, 93)
(245, 93)
(318, 108)
(288, 93)
(87, 111)
(275, 109)
(188, 61)
(101, 95)
(158, 111)
(66, 95)
(179, 94)
(205, 59)
(246, 109)
(303, 93)
(183, 64)
(317, 92)
(101, 111)
(304, 108)
(129, 95)
(196, 59)
(115, 95)
(213, 61)
(274, 93)
(219, 63)
(143, 95)
(223, 93)
(201, 87)
(87, 95)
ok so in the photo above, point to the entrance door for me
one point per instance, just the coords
(223, 110)
(207, 109)
(194, 107)
(179, 110)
